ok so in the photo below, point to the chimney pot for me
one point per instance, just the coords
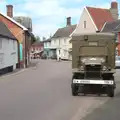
(10, 10)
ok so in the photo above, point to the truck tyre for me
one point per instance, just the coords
(111, 91)
(74, 90)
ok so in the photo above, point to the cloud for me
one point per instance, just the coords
(45, 29)
(79, 0)
(105, 5)
(3, 4)
(49, 15)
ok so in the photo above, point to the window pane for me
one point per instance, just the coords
(84, 24)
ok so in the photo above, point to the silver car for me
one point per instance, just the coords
(117, 62)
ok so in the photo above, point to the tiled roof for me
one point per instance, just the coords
(5, 32)
(12, 20)
(112, 26)
(100, 16)
(38, 43)
(64, 32)
(48, 40)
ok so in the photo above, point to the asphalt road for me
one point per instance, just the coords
(44, 93)
(111, 109)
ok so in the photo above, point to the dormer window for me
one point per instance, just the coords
(85, 24)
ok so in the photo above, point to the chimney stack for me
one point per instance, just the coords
(114, 10)
(68, 21)
(10, 10)
(114, 5)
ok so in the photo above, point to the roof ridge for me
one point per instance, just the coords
(11, 19)
(65, 31)
(97, 8)
(95, 14)
(67, 26)
(113, 21)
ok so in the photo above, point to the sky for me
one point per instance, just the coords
(49, 15)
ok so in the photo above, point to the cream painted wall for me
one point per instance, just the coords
(47, 45)
(61, 45)
(90, 27)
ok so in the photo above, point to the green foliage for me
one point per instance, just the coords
(35, 39)
(38, 38)
(44, 38)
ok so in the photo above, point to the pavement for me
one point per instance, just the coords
(33, 63)
(43, 92)
(109, 111)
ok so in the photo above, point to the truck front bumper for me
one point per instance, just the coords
(94, 82)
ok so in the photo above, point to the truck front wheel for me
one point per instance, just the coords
(74, 90)
(111, 91)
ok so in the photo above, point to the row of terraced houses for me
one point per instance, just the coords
(92, 20)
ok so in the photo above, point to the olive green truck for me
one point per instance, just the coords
(93, 64)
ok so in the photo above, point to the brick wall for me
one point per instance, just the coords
(118, 46)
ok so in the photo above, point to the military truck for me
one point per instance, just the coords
(93, 64)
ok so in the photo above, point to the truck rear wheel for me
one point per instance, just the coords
(74, 90)
(110, 91)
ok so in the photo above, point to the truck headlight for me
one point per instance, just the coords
(104, 68)
(82, 68)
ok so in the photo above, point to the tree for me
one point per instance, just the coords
(44, 38)
(35, 39)
(38, 38)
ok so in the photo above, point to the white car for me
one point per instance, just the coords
(117, 62)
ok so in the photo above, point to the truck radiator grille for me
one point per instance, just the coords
(93, 71)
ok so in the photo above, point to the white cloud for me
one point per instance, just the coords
(3, 4)
(105, 5)
(45, 29)
(21, 14)
(79, 0)
(48, 15)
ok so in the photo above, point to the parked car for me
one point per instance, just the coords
(43, 56)
(54, 57)
(117, 62)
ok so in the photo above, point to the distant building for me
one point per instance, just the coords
(47, 48)
(93, 19)
(25, 21)
(36, 50)
(60, 41)
(8, 50)
(114, 27)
